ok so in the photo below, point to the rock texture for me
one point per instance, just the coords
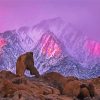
(50, 86)
(26, 62)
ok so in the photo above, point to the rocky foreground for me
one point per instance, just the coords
(51, 86)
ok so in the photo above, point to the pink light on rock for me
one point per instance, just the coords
(49, 46)
(2, 42)
(93, 47)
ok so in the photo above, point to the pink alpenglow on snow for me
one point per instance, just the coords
(49, 46)
(93, 47)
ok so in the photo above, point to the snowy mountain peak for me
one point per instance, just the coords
(52, 41)
(50, 45)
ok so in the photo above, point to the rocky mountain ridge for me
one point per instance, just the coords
(64, 40)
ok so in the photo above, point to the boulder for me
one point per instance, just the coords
(26, 62)
(71, 88)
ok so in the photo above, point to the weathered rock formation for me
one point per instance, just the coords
(50, 86)
(26, 62)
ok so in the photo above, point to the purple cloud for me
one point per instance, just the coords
(83, 14)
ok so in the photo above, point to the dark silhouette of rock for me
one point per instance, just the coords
(26, 62)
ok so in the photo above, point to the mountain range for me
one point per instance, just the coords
(57, 46)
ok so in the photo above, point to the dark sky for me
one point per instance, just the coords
(83, 14)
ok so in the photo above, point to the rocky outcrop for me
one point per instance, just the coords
(86, 90)
(67, 86)
(20, 88)
(26, 62)
(71, 86)
(50, 86)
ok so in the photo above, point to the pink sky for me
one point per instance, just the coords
(83, 14)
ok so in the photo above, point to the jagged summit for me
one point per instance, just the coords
(48, 51)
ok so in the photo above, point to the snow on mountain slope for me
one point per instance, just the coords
(57, 46)
(48, 51)
(73, 40)
(11, 51)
